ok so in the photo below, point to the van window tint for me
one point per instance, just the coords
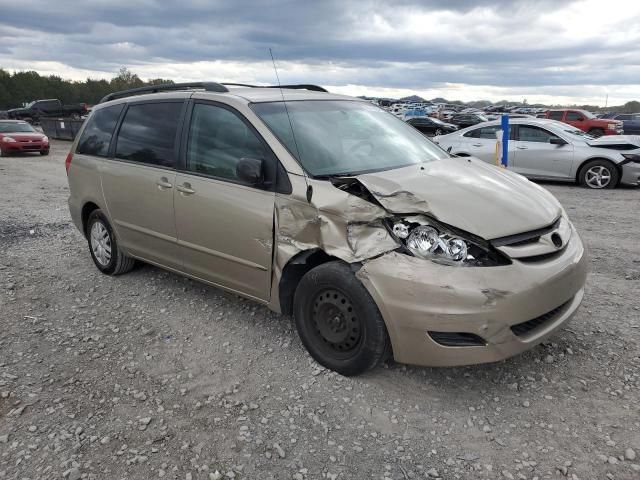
(218, 139)
(148, 133)
(98, 132)
(555, 115)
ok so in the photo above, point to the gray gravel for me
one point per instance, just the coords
(151, 375)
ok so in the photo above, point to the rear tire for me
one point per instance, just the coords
(103, 246)
(598, 174)
(338, 321)
(596, 132)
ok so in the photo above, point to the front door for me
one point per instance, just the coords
(138, 184)
(536, 157)
(224, 227)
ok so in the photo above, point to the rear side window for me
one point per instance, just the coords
(148, 133)
(98, 132)
(528, 133)
(484, 132)
(555, 115)
(218, 139)
(574, 117)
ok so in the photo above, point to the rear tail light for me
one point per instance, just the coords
(67, 161)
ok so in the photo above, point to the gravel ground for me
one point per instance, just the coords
(151, 375)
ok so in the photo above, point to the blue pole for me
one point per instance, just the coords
(505, 140)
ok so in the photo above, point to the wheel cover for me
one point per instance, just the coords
(438, 132)
(598, 176)
(100, 243)
(335, 321)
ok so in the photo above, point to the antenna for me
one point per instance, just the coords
(293, 134)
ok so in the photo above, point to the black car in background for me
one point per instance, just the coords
(431, 126)
(464, 120)
(51, 107)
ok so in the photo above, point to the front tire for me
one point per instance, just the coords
(596, 132)
(44, 152)
(438, 132)
(103, 246)
(599, 174)
(338, 321)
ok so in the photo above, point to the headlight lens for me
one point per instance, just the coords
(45, 139)
(426, 241)
(430, 240)
(9, 139)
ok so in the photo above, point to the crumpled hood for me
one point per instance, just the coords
(466, 193)
(610, 140)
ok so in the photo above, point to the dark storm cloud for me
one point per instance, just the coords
(104, 35)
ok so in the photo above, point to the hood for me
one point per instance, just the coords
(466, 193)
(616, 141)
(22, 136)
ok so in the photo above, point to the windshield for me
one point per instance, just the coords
(338, 137)
(587, 114)
(30, 104)
(11, 127)
(579, 134)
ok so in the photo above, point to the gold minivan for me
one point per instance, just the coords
(328, 208)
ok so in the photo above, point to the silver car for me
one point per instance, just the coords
(549, 150)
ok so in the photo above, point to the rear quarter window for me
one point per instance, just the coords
(555, 115)
(96, 136)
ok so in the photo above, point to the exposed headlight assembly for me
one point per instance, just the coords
(9, 139)
(435, 242)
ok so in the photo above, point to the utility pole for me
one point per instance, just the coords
(606, 101)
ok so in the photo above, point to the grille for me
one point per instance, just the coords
(457, 339)
(525, 328)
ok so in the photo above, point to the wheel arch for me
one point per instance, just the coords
(87, 209)
(581, 165)
(294, 270)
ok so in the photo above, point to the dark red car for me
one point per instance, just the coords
(17, 136)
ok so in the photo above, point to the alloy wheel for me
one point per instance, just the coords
(101, 243)
(598, 176)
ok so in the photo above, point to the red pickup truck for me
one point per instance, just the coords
(587, 122)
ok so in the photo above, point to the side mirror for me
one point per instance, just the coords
(557, 141)
(251, 171)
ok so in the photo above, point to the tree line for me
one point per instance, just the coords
(23, 87)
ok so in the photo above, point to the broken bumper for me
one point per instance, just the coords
(630, 174)
(510, 309)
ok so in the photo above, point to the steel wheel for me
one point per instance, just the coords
(101, 243)
(335, 321)
(598, 176)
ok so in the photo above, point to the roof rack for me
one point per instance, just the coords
(303, 86)
(165, 87)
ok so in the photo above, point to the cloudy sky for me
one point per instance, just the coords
(552, 51)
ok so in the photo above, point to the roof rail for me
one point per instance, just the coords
(165, 87)
(303, 86)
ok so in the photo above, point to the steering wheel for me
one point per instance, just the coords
(358, 146)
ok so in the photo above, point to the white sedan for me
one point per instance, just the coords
(549, 150)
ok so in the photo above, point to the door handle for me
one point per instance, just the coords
(477, 144)
(522, 148)
(186, 189)
(164, 183)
